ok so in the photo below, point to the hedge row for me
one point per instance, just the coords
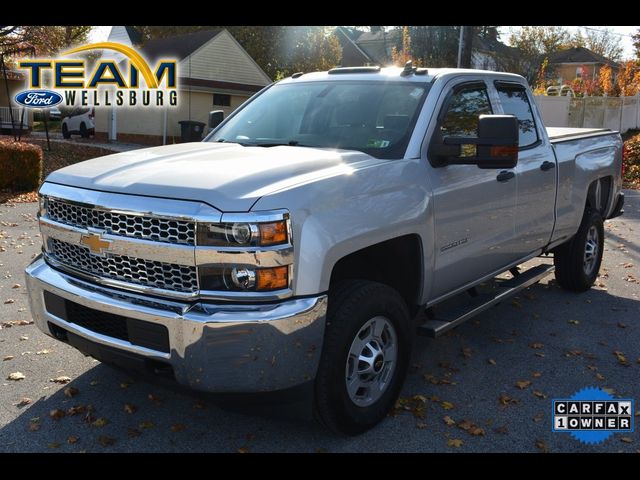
(20, 166)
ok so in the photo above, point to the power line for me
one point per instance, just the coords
(608, 31)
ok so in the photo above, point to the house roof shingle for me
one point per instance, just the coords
(579, 55)
(180, 46)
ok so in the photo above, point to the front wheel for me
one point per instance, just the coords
(578, 261)
(367, 347)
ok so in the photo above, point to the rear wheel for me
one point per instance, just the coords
(364, 360)
(578, 261)
(65, 131)
(84, 133)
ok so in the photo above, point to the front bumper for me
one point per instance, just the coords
(212, 347)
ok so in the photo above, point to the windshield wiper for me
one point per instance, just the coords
(290, 143)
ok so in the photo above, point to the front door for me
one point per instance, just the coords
(474, 209)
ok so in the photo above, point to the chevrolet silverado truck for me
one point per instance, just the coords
(317, 229)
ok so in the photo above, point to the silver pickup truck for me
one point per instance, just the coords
(317, 229)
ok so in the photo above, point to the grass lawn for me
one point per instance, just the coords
(61, 155)
(54, 126)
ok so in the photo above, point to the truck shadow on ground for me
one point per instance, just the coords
(529, 339)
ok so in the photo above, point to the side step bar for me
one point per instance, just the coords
(505, 289)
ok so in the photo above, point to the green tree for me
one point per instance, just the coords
(604, 42)
(538, 40)
(435, 46)
(279, 50)
(45, 39)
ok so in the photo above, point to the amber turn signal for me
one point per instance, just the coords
(272, 278)
(273, 233)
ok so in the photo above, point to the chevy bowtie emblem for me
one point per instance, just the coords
(95, 242)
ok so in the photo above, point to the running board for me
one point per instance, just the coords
(505, 289)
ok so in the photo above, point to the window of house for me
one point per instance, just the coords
(578, 72)
(464, 110)
(515, 102)
(221, 100)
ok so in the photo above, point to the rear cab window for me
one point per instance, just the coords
(515, 101)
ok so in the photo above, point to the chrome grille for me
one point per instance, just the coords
(148, 228)
(167, 276)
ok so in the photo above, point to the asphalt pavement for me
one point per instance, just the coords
(485, 387)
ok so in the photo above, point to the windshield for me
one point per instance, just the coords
(373, 117)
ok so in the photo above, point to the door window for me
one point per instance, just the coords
(515, 102)
(463, 112)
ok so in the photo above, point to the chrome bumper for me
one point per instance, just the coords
(213, 347)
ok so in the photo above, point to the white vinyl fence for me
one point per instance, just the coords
(616, 113)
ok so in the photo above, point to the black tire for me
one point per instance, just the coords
(352, 304)
(65, 131)
(572, 272)
(84, 133)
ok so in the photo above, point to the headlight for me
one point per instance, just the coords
(244, 278)
(241, 234)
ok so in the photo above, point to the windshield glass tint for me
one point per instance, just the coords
(373, 117)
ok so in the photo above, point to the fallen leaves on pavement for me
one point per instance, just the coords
(536, 346)
(416, 405)
(455, 442)
(471, 428)
(491, 361)
(574, 322)
(542, 446)
(507, 400)
(133, 432)
(106, 441)
(626, 439)
(146, 425)
(449, 421)
(57, 414)
(63, 380)
(24, 401)
(130, 408)
(539, 394)
(16, 376)
(71, 392)
(8, 357)
(622, 360)
(100, 422)
(243, 450)
(71, 439)
(178, 427)
(522, 384)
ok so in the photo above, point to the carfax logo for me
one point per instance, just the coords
(102, 84)
(592, 415)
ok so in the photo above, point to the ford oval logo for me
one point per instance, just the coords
(38, 98)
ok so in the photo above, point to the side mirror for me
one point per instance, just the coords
(496, 145)
(215, 118)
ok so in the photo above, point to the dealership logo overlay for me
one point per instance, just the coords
(592, 415)
(105, 83)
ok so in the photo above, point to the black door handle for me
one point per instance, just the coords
(505, 176)
(546, 165)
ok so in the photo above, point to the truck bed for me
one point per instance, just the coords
(562, 134)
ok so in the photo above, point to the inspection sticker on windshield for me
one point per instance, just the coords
(592, 415)
(375, 143)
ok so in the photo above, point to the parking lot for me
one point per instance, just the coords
(485, 387)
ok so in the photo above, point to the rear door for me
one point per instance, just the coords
(536, 172)
(473, 211)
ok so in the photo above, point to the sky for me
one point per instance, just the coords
(624, 33)
(100, 34)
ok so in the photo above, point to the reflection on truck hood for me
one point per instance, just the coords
(228, 176)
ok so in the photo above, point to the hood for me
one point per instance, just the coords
(227, 176)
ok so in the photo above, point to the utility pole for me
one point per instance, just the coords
(465, 46)
(460, 47)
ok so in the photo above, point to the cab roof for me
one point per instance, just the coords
(393, 73)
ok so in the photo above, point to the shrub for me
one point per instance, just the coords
(632, 161)
(20, 166)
